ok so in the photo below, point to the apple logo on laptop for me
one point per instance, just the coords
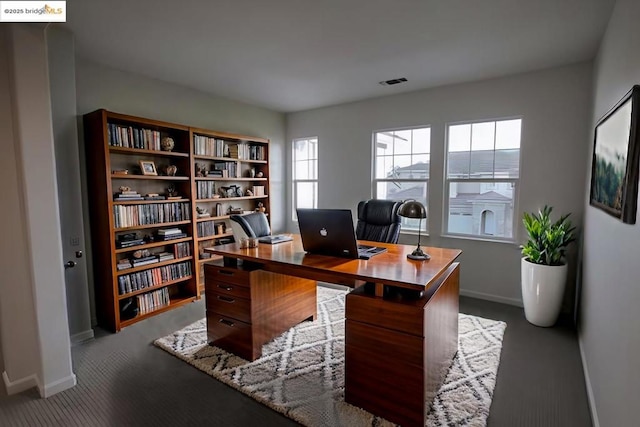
(323, 232)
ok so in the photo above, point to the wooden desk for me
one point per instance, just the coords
(401, 327)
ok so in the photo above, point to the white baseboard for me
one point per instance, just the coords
(587, 381)
(490, 297)
(63, 384)
(20, 385)
(81, 337)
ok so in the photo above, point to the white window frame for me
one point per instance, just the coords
(447, 187)
(295, 181)
(375, 181)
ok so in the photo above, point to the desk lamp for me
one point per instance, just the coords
(414, 209)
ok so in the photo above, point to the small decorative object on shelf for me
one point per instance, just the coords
(261, 207)
(148, 167)
(120, 172)
(202, 212)
(171, 192)
(252, 172)
(249, 192)
(141, 253)
(259, 174)
(167, 143)
(171, 170)
(201, 170)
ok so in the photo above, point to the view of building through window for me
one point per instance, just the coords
(401, 167)
(483, 168)
(305, 174)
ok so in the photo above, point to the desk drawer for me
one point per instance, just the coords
(236, 308)
(230, 334)
(229, 289)
(233, 275)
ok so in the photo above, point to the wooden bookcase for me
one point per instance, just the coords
(242, 163)
(128, 227)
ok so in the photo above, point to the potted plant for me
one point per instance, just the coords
(544, 269)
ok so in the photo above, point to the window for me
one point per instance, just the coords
(305, 174)
(401, 167)
(483, 168)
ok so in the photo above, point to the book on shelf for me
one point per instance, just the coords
(153, 260)
(155, 198)
(129, 243)
(123, 264)
(172, 236)
(165, 256)
(168, 231)
(127, 199)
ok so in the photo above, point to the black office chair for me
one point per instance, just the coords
(378, 220)
(250, 225)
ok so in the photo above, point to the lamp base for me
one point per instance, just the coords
(419, 255)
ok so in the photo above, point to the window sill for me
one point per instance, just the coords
(414, 233)
(481, 239)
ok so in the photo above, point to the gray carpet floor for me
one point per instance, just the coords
(123, 380)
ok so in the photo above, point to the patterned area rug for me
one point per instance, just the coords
(301, 373)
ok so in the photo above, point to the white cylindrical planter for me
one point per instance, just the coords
(542, 292)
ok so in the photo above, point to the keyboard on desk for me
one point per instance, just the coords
(366, 252)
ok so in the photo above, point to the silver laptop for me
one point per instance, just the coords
(330, 232)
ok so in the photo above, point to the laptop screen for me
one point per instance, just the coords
(328, 232)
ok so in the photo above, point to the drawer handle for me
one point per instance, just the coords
(226, 272)
(226, 299)
(226, 288)
(227, 322)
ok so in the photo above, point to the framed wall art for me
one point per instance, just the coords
(616, 156)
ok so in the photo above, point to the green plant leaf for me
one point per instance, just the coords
(548, 240)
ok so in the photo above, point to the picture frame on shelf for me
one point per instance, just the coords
(616, 157)
(148, 167)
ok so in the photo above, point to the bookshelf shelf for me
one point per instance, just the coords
(147, 202)
(150, 177)
(142, 152)
(151, 245)
(147, 226)
(152, 265)
(175, 302)
(212, 218)
(154, 287)
(208, 178)
(215, 236)
(118, 142)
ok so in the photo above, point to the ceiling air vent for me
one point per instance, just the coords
(393, 81)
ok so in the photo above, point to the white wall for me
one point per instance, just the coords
(609, 322)
(555, 106)
(19, 344)
(99, 86)
(61, 59)
(48, 363)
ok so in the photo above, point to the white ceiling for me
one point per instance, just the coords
(292, 55)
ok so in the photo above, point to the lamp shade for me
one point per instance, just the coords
(412, 209)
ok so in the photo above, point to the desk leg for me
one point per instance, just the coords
(397, 352)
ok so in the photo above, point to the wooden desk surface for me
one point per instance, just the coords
(391, 267)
